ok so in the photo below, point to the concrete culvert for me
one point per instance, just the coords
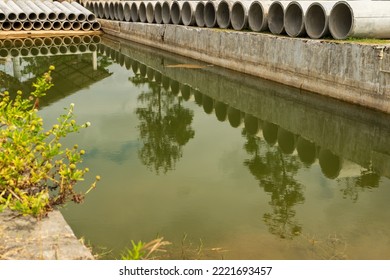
(47, 25)
(294, 18)
(13, 12)
(317, 18)
(66, 25)
(76, 26)
(27, 25)
(120, 11)
(142, 12)
(95, 26)
(127, 11)
(42, 14)
(210, 14)
(150, 16)
(188, 12)
(176, 12)
(258, 15)
(56, 25)
(199, 14)
(166, 12)
(223, 13)
(37, 25)
(17, 25)
(134, 11)
(276, 17)
(158, 12)
(239, 14)
(360, 19)
(51, 15)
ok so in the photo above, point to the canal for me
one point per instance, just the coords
(221, 164)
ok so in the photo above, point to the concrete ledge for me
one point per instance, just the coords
(351, 72)
(25, 238)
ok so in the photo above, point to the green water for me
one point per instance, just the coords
(222, 165)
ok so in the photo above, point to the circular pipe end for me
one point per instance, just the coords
(276, 18)
(238, 16)
(341, 20)
(294, 20)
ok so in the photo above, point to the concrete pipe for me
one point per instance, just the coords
(134, 11)
(17, 26)
(79, 14)
(276, 17)
(88, 14)
(317, 18)
(56, 25)
(21, 15)
(76, 26)
(86, 26)
(258, 15)
(150, 14)
(70, 16)
(120, 11)
(7, 43)
(166, 12)
(37, 25)
(95, 26)
(60, 14)
(234, 117)
(47, 25)
(51, 15)
(239, 14)
(27, 25)
(106, 8)
(3, 17)
(294, 18)
(188, 12)
(158, 12)
(31, 15)
(210, 13)
(28, 42)
(360, 19)
(86, 39)
(42, 15)
(176, 8)
(6, 26)
(199, 14)
(66, 25)
(142, 12)
(223, 13)
(9, 13)
(127, 11)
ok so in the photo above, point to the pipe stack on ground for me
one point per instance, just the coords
(340, 19)
(28, 15)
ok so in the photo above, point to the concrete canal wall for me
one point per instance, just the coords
(328, 123)
(356, 73)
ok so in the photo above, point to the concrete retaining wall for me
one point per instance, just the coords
(356, 73)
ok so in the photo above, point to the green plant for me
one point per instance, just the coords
(144, 251)
(36, 173)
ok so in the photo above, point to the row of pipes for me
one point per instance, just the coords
(340, 19)
(45, 15)
(48, 46)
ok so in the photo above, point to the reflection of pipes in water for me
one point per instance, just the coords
(128, 63)
(234, 117)
(175, 87)
(34, 51)
(330, 163)
(185, 90)
(4, 53)
(251, 124)
(150, 14)
(158, 77)
(198, 97)
(24, 52)
(306, 151)
(150, 74)
(166, 82)
(286, 141)
(142, 70)
(221, 111)
(135, 67)
(54, 50)
(208, 104)
(270, 133)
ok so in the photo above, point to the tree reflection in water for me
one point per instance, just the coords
(275, 172)
(165, 126)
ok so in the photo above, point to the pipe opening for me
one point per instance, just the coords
(95, 25)
(17, 26)
(7, 26)
(256, 20)
(86, 26)
(210, 17)
(56, 25)
(11, 17)
(61, 16)
(186, 13)
(32, 17)
(46, 25)
(37, 25)
(134, 13)
(71, 17)
(22, 16)
(150, 13)
(158, 13)
(42, 16)
(52, 16)
(293, 19)
(76, 25)
(238, 18)
(127, 12)
(54, 50)
(175, 13)
(199, 14)
(223, 15)
(166, 13)
(276, 18)
(316, 22)
(142, 12)
(341, 21)
(120, 12)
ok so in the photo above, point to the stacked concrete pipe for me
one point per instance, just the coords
(317, 18)
(294, 18)
(188, 12)
(176, 12)
(199, 14)
(276, 17)
(223, 13)
(166, 12)
(360, 19)
(210, 13)
(158, 12)
(150, 14)
(239, 14)
(258, 15)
